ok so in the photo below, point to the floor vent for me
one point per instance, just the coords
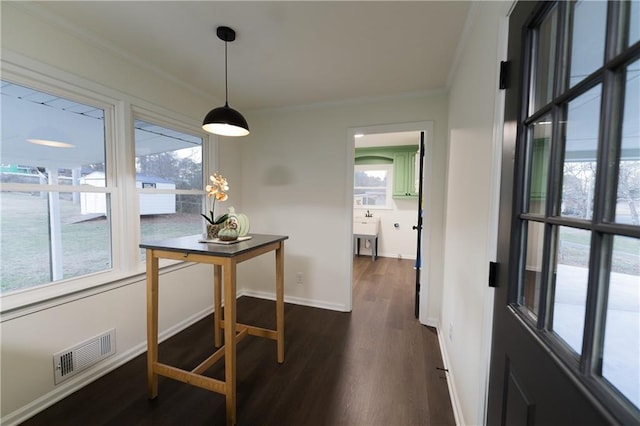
(82, 356)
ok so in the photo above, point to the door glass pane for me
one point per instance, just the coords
(587, 39)
(634, 22)
(530, 295)
(167, 161)
(621, 354)
(580, 152)
(539, 165)
(570, 290)
(628, 200)
(544, 61)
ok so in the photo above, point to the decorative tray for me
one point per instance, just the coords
(219, 241)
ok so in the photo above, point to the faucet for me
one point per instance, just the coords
(369, 214)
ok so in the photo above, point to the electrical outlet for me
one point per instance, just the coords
(451, 332)
(299, 278)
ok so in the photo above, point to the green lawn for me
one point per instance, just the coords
(25, 257)
(625, 258)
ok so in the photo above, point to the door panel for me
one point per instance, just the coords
(545, 394)
(519, 408)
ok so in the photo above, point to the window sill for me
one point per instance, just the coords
(364, 209)
(29, 301)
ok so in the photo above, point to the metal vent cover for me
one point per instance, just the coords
(71, 361)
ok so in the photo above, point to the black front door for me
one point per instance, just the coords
(418, 228)
(566, 326)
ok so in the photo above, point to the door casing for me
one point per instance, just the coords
(427, 128)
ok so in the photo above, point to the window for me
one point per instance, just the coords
(67, 210)
(169, 181)
(55, 224)
(578, 211)
(372, 186)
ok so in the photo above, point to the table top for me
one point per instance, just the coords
(190, 244)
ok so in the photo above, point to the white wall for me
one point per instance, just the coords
(470, 231)
(30, 337)
(295, 183)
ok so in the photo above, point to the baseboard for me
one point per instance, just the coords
(313, 303)
(94, 373)
(389, 255)
(455, 401)
(433, 322)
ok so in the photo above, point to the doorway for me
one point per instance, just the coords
(395, 211)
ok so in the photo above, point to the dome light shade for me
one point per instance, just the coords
(225, 120)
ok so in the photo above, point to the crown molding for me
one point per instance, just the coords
(93, 39)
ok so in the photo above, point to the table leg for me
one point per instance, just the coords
(280, 301)
(152, 323)
(217, 303)
(230, 340)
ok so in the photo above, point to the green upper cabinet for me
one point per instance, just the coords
(404, 166)
(404, 174)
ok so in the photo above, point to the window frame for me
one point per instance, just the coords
(143, 114)
(387, 167)
(119, 110)
(109, 106)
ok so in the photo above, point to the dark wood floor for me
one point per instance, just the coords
(374, 366)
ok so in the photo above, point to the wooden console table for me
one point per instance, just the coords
(222, 257)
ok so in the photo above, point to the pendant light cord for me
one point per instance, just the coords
(226, 84)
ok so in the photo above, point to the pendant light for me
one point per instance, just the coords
(225, 120)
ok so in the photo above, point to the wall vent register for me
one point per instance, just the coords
(72, 361)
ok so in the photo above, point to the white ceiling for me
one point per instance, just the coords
(286, 53)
